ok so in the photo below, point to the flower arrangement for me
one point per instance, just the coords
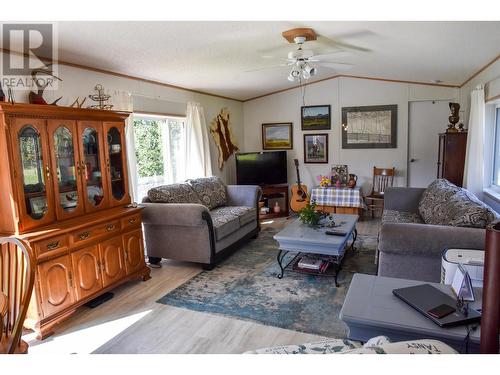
(324, 181)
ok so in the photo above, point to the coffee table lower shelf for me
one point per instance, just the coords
(333, 269)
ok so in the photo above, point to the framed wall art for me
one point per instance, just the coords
(315, 148)
(370, 126)
(315, 117)
(277, 136)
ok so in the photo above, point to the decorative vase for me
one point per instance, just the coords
(276, 208)
(353, 179)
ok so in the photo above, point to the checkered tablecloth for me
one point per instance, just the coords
(339, 197)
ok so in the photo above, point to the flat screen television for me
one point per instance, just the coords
(261, 168)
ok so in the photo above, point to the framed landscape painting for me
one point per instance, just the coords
(277, 136)
(315, 148)
(370, 126)
(315, 117)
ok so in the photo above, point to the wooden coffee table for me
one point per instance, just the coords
(301, 239)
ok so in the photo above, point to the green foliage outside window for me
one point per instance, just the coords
(148, 147)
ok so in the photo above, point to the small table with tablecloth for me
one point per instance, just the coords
(338, 200)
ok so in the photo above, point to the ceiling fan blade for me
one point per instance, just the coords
(335, 66)
(335, 55)
(332, 42)
(266, 68)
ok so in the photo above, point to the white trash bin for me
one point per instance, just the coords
(472, 260)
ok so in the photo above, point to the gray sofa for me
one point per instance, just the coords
(199, 221)
(419, 224)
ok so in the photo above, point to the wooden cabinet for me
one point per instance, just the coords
(56, 284)
(87, 271)
(112, 260)
(451, 161)
(64, 189)
(134, 250)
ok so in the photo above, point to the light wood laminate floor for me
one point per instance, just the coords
(132, 322)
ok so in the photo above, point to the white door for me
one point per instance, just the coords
(426, 120)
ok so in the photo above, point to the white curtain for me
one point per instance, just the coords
(197, 162)
(474, 160)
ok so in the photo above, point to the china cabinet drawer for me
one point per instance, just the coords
(51, 245)
(92, 233)
(131, 221)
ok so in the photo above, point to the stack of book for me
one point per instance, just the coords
(313, 264)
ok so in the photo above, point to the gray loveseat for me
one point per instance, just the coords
(419, 224)
(199, 221)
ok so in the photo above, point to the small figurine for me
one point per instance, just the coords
(454, 117)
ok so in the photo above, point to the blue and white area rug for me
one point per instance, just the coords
(245, 286)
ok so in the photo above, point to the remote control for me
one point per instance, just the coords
(331, 233)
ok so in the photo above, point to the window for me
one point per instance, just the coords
(496, 165)
(159, 151)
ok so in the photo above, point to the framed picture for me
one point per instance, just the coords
(277, 136)
(370, 126)
(315, 117)
(315, 148)
(340, 172)
(38, 205)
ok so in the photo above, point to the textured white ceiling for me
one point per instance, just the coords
(215, 57)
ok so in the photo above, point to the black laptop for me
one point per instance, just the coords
(425, 298)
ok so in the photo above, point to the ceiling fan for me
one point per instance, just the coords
(304, 62)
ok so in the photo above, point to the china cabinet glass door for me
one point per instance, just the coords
(33, 172)
(92, 168)
(115, 160)
(66, 166)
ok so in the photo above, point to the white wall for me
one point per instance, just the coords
(148, 97)
(341, 92)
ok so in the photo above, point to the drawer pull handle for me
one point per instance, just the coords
(110, 227)
(84, 235)
(53, 245)
(132, 221)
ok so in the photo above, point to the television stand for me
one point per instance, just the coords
(275, 192)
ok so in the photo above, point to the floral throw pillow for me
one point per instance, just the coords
(210, 190)
(174, 193)
(434, 206)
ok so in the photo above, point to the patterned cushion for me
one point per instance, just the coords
(444, 203)
(210, 190)
(394, 217)
(229, 219)
(224, 223)
(330, 346)
(435, 198)
(245, 214)
(466, 210)
(174, 193)
(376, 345)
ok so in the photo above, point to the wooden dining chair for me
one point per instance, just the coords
(17, 275)
(382, 179)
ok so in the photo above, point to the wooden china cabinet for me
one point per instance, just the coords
(64, 189)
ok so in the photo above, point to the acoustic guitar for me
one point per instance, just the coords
(299, 192)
